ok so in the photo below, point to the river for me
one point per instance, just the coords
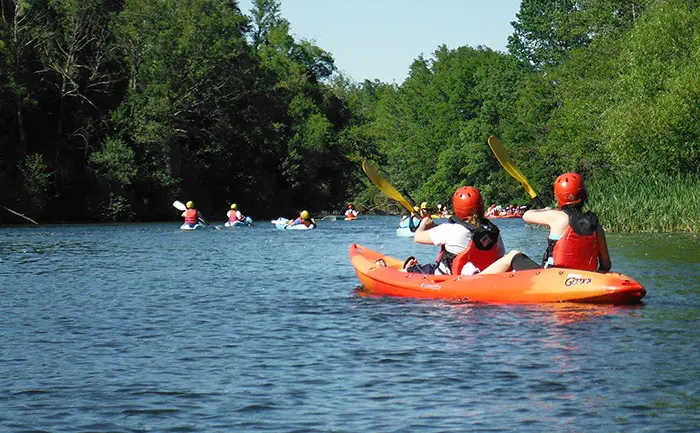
(144, 328)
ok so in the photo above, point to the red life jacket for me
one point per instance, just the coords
(484, 248)
(191, 216)
(233, 216)
(578, 247)
(301, 220)
(479, 258)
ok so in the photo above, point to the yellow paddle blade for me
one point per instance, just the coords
(385, 186)
(507, 163)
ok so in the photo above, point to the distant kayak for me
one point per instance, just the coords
(404, 232)
(246, 222)
(350, 218)
(405, 222)
(281, 224)
(380, 275)
(190, 227)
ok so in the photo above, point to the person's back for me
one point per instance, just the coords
(576, 240)
(190, 214)
(351, 212)
(467, 245)
(234, 215)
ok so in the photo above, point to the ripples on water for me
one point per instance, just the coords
(140, 327)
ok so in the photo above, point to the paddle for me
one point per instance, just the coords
(21, 215)
(504, 158)
(385, 186)
(389, 191)
(180, 206)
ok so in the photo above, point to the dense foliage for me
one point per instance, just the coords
(112, 109)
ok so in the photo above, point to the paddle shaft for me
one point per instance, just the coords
(385, 186)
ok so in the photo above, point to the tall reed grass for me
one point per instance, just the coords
(649, 203)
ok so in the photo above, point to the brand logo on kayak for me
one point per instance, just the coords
(574, 280)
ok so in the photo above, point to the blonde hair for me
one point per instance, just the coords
(474, 219)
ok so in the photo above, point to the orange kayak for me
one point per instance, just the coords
(522, 287)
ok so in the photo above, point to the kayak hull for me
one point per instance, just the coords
(522, 287)
(404, 232)
(191, 227)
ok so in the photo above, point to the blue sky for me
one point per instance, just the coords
(380, 38)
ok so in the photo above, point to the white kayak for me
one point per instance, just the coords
(282, 224)
(190, 227)
(404, 229)
(246, 222)
(404, 232)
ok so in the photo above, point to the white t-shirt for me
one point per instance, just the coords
(455, 238)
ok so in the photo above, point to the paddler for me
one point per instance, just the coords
(303, 218)
(576, 239)
(351, 212)
(467, 244)
(234, 214)
(191, 215)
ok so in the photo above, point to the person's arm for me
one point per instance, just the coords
(422, 235)
(555, 219)
(604, 263)
(539, 216)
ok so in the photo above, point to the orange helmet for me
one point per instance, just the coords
(350, 206)
(467, 201)
(569, 189)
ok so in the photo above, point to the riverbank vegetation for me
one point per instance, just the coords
(111, 109)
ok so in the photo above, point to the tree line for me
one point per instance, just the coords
(111, 109)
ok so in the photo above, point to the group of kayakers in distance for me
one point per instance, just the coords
(471, 244)
(508, 211)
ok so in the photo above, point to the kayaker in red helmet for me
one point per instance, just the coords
(576, 239)
(467, 245)
(351, 212)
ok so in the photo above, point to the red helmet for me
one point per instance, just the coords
(569, 189)
(467, 201)
(350, 206)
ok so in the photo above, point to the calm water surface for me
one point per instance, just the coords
(144, 328)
